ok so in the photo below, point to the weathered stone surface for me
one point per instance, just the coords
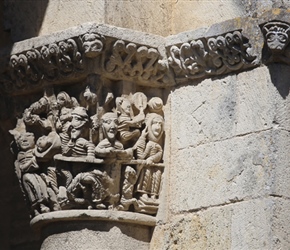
(226, 141)
(241, 225)
(223, 108)
(102, 236)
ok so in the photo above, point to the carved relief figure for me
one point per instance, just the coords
(128, 125)
(127, 198)
(68, 165)
(90, 190)
(110, 146)
(79, 144)
(149, 150)
(46, 106)
(27, 171)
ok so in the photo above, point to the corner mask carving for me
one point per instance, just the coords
(276, 42)
(277, 35)
(90, 152)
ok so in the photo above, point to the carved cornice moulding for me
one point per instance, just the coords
(146, 59)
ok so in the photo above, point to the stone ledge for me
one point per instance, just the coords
(149, 60)
(42, 220)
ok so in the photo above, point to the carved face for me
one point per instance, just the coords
(126, 107)
(277, 35)
(62, 99)
(130, 175)
(276, 40)
(91, 45)
(110, 125)
(157, 126)
(26, 141)
(79, 121)
(65, 115)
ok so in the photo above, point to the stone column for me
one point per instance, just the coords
(93, 229)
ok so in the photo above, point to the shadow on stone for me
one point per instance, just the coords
(280, 76)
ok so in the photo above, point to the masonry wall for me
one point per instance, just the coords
(227, 186)
(229, 171)
(162, 17)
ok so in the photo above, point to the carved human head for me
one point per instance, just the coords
(65, 115)
(79, 122)
(155, 105)
(155, 125)
(110, 125)
(277, 35)
(130, 174)
(123, 106)
(63, 99)
(25, 141)
(92, 45)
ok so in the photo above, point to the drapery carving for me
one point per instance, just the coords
(76, 152)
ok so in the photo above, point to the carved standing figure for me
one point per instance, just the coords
(149, 150)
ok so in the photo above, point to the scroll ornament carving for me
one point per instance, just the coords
(277, 41)
(129, 60)
(53, 61)
(79, 153)
(210, 56)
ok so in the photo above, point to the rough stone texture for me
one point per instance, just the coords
(228, 138)
(229, 180)
(95, 230)
(162, 17)
(253, 224)
(102, 236)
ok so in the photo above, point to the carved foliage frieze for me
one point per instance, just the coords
(78, 152)
(210, 56)
(129, 60)
(84, 55)
(52, 61)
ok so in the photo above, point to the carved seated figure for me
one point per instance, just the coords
(127, 190)
(27, 171)
(79, 145)
(128, 126)
(149, 150)
(110, 146)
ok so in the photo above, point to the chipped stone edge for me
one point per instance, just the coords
(45, 219)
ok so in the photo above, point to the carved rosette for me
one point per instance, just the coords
(76, 152)
(210, 56)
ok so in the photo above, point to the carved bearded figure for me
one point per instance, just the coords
(110, 146)
(79, 144)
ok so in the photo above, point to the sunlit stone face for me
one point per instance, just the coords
(110, 125)
(157, 126)
(26, 141)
